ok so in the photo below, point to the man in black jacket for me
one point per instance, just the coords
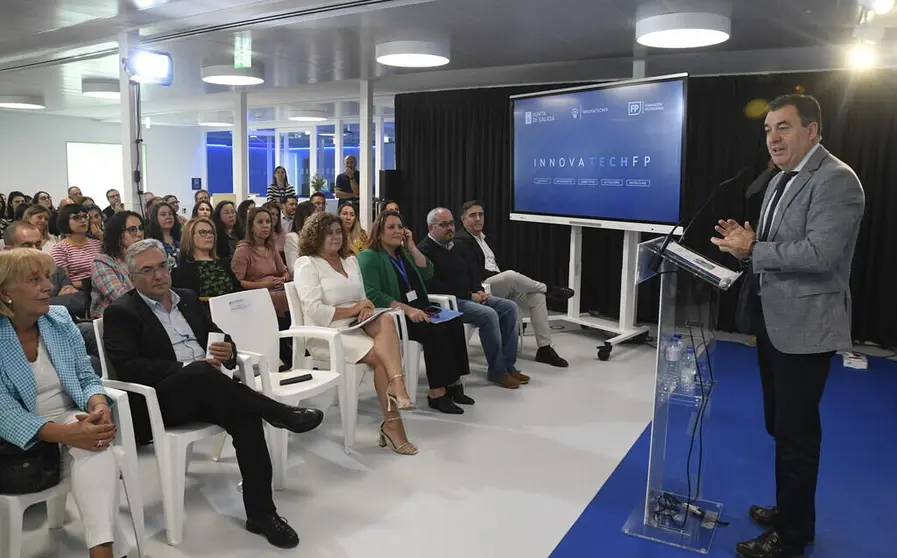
(454, 273)
(509, 283)
(158, 337)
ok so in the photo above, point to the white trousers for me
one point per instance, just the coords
(94, 478)
(527, 293)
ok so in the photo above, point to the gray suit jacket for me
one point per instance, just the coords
(804, 265)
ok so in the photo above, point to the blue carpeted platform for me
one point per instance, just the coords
(857, 495)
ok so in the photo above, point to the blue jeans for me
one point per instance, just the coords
(497, 321)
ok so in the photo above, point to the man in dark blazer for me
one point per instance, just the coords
(798, 302)
(510, 284)
(158, 337)
(455, 273)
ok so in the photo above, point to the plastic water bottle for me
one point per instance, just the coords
(688, 371)
(673, 359)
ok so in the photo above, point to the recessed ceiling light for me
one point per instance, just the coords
(412, 54)
(307, 116)
(862, 56)
(100, 88)
(228, 75)
(22, 102)
(683, 30)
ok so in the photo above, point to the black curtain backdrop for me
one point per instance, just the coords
(453, 146)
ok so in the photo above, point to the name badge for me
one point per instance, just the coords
(411, 296)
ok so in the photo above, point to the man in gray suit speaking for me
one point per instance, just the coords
(798, 298)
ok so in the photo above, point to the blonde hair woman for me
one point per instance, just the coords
(358, 238)
(39, 216)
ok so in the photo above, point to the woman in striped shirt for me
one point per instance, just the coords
(110, 278)
(75, 253)
(281, 187)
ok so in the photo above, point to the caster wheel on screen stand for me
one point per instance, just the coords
(604, 351)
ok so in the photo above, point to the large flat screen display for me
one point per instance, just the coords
(610, 152)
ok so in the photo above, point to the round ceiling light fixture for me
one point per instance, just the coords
(413, 54)
(307, 115)
(22, 102)
(228, 75)
(683, 30)
(101, 88)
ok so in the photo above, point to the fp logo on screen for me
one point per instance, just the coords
(635, 108)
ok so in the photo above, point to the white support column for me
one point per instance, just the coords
(574, 276)
(313, 156)
(365, 162)
(338, 156)
(241, 146)
(378, 154)
(130, 129)
(631, 239)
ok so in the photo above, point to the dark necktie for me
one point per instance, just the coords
(774, 201)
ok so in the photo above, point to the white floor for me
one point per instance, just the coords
(507, 478)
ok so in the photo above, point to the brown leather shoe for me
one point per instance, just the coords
(520, 377)
(507, 381)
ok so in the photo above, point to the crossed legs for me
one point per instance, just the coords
(386, 360)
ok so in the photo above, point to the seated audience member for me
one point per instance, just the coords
(148, 197)
(320, 201)
(331, 290)
(199, 269)
(242, 211)
(389, 205)
(202, 195)
(273, 208)
(291, 242)
(358, 238)
(110, 279)
(455, 273)
(44, 199)
(175, 204)
(226, 230)
(95, 222)
(164, 227)
(257, 265)
(203, 209)
(289, 213)
(50, 394)
(20, 211)
(24, 235)
(510, 284)
(75, 253)
(39, 216)
(113, 196)
(394, 271)
(158, 337)
(74, 195)
(4, 222)
(14, 200)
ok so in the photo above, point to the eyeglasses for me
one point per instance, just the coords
(161, 269)
(205, 233)
(446, 224)
(80, 217)
(134, 230)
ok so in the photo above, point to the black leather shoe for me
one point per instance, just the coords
(298, 419)
(768, 545)
(445, 405)
(275, 529)
(560, 293)
(546, 355)
(458, 396)
(766, 518)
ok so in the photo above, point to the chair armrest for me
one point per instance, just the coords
(246, 363)
(157, 426)
(448, 302)
(334, 341)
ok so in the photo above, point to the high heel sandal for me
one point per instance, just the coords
(401, 403)
(405, 448)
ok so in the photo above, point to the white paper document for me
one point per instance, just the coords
(356, 324)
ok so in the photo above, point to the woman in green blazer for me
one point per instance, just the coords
(394, 272)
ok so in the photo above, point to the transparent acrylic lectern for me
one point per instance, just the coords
(673, 510)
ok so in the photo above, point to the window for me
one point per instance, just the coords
(95, 168)
(220, 162)
(295, 156)
(326, 156)
(261, 161)
(389, 145)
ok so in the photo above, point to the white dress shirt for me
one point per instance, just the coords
(798, 168)
(186, 348)
(490, 264)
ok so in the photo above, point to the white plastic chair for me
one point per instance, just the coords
(411, 367)
(250, 319)
(172, 446)
(124, 447)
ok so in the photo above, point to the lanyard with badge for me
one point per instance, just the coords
(399, 264)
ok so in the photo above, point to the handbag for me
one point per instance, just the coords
(28, 471)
